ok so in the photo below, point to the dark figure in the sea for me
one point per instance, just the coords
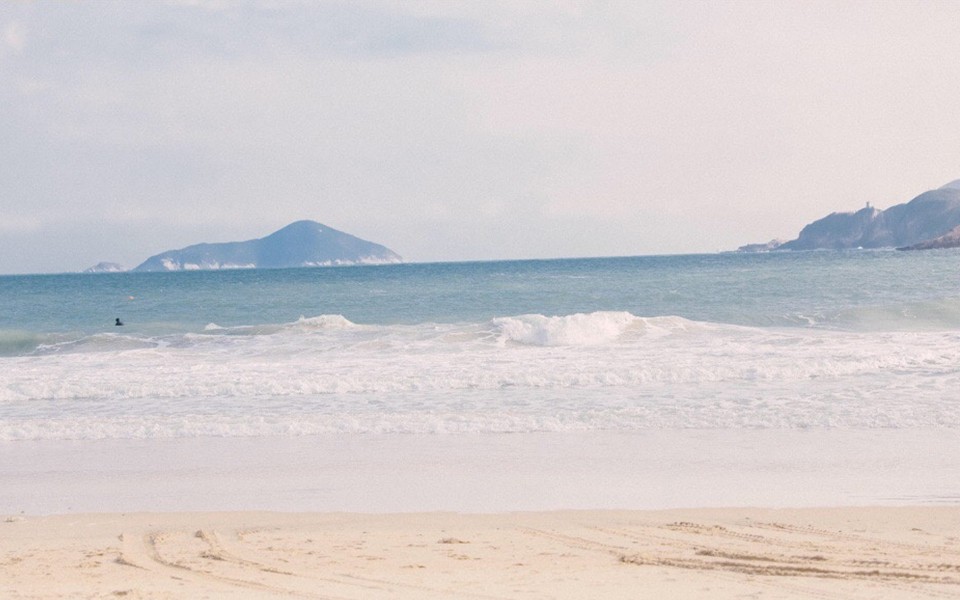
(119, 323)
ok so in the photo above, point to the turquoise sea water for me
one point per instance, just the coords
(873, 290)
(795, 340)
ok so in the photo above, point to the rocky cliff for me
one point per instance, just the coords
(927, 217)
(951, 239)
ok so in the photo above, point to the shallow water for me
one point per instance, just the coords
(824, 378)
(820, 339)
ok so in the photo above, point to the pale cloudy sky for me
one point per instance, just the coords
(459, 131)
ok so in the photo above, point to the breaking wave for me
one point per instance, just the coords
(602, 370)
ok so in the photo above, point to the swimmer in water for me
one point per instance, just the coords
(119, 323)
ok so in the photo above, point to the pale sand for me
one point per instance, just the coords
(911, 552)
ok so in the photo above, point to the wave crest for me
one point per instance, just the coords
(14, 342)
(581, 329)
(324, 322)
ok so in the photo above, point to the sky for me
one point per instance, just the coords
(452, 131)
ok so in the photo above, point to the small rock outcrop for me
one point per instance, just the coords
(767, 247)
(106, 267)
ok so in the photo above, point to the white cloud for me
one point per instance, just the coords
(18, 224)
(30, 87)
(474, 130)
(210, 5)
(15, 36)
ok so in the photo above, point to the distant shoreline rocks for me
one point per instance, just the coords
(768, 247)
(951, 239)
(106, 267)
(931, 220)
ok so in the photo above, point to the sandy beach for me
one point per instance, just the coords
(890, 552)
(493, 516)
(422, 300)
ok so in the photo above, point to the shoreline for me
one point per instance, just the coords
(835, 552)
(484, 473)
(846, 514)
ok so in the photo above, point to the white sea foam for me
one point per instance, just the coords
(324, 322)
(523, 373)
(568, 330)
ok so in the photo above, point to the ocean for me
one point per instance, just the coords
(480, 368)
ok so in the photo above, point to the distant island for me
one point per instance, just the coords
(931, 220)
(300, 244)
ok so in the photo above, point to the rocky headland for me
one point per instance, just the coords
(931, 220)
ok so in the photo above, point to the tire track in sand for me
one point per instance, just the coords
(144, 552)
